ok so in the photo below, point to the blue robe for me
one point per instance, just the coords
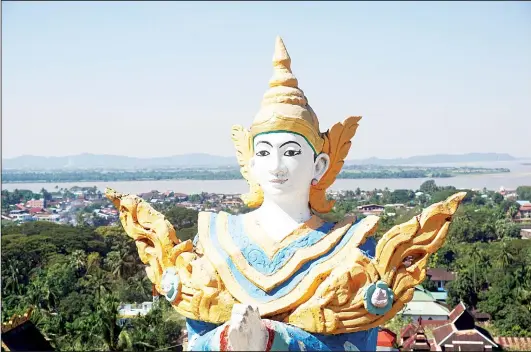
(203, 336)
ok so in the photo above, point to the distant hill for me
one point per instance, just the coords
(436, 159)
(94, 161)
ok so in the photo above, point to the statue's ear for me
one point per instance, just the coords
(321, 165)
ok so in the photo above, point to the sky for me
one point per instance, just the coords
(151, 79)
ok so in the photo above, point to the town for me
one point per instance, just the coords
(76, 232)
(88, 205)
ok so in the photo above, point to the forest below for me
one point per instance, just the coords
(76, 277)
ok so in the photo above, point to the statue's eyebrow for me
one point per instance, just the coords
(265, 142)
(283, 144)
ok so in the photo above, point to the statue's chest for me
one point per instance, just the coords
(256, 269)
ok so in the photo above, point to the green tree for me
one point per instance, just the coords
(114, 337)
(428, 187)
(497, 198)
(524, 192)
(462, 290)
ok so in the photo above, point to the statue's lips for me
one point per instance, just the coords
(279, 181)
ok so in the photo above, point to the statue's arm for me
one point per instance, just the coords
(203, 336)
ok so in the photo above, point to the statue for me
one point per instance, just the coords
(281, 277)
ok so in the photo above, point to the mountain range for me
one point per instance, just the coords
(95, 161)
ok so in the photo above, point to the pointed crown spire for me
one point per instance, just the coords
(284, 105)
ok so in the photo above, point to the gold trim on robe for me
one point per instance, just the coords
(271, 247)
(299, 258)
(305, 288)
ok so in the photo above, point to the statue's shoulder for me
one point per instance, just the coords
(206, 217)
(354, 223)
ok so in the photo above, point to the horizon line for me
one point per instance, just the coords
(225, 156)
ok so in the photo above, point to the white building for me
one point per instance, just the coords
(425, 306)
(128, 311)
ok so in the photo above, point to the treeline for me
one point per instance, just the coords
(394, 174)
(76, 277)
(232, 174)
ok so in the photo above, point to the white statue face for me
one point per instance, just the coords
(284, 163)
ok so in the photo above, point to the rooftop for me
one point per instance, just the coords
(422, 295)
(437, 274)
(425, 309)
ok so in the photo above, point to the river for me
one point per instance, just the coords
(520, 175)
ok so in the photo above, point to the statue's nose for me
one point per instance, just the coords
(277, 168)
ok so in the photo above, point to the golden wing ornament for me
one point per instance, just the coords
(185, 278)
(337, 145)
(345, 300)
(244, 151)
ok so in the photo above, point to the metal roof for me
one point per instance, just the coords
(425, 309)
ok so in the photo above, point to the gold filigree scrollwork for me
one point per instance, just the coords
(201, 294)
(338, 305)
(337, 145)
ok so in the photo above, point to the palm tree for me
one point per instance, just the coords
(12, 277)
(93, 261)
(99, 281)
(78, 260)
(108, 331)
(122, 262)
(513, 210)
(478, 256)
(141, 285)
(506, 256)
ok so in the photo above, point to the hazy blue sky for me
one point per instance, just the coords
(156, 79)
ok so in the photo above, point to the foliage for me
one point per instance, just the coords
(524, 193)
(17, 196)
(495, 277)
(76, 277)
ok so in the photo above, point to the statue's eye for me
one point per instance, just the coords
(292, 152)
(262, 153)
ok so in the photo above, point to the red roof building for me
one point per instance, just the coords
(417, 342)
(20, 207)
(36, 203)
(524, 213)
(386, 340)
(414, 338)
(408, 331)
(36, 210)
(514, 343)
(461, 334)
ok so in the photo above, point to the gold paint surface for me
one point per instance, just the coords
(329, 300)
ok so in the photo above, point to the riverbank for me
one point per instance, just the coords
(519, 175)
(491, 182)
(349, 172)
